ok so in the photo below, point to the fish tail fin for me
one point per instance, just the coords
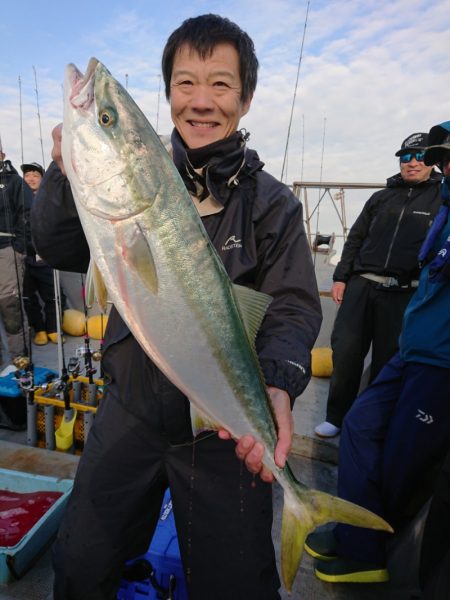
(316, 508)
(293, 535)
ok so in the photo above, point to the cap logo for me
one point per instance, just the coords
(413, 140)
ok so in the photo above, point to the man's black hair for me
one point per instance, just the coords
(202, 34)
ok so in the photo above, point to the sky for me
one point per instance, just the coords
(371, 72)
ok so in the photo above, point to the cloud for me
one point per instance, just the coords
(370, 75)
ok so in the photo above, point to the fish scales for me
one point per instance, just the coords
(170, 287)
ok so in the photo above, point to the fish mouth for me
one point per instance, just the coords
(81, 94)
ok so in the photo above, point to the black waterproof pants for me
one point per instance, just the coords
(223, 514)
(435, 554)
(39, 297)
(369, 314)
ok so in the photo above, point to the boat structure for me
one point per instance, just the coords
(50, 419)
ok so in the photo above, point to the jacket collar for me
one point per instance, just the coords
(214, 169)
(397, 180)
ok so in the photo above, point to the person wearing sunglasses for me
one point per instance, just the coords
(377, 275)
(396, 435)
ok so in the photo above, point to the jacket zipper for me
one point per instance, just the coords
(397, 228)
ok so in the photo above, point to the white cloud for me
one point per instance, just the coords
(374, 70)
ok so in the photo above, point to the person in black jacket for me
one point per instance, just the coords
(141, 441)
(377, 275)
(15, 201)
(38, 282)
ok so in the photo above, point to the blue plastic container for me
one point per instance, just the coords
(164, 556)
(16, 560)
(13, 408)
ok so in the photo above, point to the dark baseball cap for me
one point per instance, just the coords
(415, 141)
(34, 166)
(439, 143)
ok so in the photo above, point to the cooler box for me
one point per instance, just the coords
(13, 406)
(164, 556)
(17, 559)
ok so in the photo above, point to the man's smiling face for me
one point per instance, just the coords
(205, 95)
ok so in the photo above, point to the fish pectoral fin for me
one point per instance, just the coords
(138, 255)
(253, 306)
(201, 422)
(316, 508)
(95, 287)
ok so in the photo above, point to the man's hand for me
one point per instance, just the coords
(337, 291)
(56, 150)
(252, 452)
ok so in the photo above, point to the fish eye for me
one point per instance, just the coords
(106, 117)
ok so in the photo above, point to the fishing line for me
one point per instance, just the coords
(320, 181)
(157, 105)
(63, 386)
(39, 116)
(295, 95)
(25, 230)
(87, 348)
(303, 147)
(20, 110)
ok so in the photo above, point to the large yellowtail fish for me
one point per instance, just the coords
(170, 287)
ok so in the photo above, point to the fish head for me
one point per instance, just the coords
(105, 148)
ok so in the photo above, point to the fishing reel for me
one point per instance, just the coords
(74, 366)
(97, 355)
(21, 362)
(24, 373)
(25, 380)
(84, 352)
(61, 385)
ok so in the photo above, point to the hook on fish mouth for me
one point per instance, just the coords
(81, 93)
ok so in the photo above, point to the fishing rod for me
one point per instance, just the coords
(97, 355)
(303, 147)
(295, 95)
(157, 104)
(62, 385)
(89, 370)
(25, 231)
(20, 111)
(64, 435)
(320, 181)
(39, 116)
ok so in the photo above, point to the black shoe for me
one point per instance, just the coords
(343, 570)
(321, 545)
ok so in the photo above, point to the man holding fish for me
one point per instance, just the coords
(180, 331)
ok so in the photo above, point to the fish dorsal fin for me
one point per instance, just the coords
(95, 287)
(253, 306)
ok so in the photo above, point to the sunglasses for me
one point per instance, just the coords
(406, 158)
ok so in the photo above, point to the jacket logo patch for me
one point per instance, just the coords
(428, 419)
(302, 369)
(231, 243)
(420, 212)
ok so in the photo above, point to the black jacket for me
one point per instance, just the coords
(260, 237)
(386, 237)
(15, 202)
